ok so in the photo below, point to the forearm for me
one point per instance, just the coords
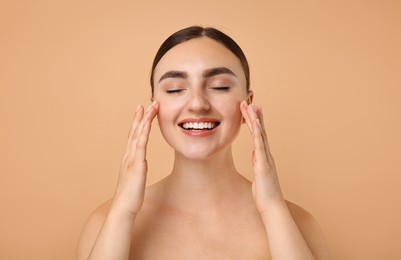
(114, 239)
(285, 239)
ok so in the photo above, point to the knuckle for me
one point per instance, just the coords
(130, 165)
(141, 142)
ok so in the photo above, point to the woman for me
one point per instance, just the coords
(204, 209)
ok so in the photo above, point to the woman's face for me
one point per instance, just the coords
(199, 85)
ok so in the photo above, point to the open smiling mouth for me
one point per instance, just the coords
(196, 126)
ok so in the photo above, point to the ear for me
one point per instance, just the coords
(249, 98)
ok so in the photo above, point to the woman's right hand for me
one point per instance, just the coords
(131, 185)
(111, 223)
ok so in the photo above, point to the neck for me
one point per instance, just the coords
(196, 185)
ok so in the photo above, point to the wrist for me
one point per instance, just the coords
(273, 206)
(121, 213)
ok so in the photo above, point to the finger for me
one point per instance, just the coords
(136, 134)
(260, 116)
(265, 139)
(134, 125)
(252, 113)
(137, 119)
(140, 153)
(263, 128)
(260, 150)
(245, 114)
(132, 157)
(260, 137)
(264, 133)
(256, 114)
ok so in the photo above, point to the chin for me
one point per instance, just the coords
(196, 156)
(199, 152)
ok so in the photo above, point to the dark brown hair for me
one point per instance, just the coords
(194, 32)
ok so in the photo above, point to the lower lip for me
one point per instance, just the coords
(199, 133)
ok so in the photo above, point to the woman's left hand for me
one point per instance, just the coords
(280, 225)
(265, 187)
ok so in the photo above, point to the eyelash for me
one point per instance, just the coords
(219, 88)
(222, 88)
(173, 91)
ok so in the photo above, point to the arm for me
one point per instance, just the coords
(107, 234)
(286, 241)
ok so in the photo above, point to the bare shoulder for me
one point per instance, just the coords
(310, 229)
(91, 230)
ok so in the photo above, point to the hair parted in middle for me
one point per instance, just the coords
(194, 32)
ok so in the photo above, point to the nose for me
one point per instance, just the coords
(198, 101)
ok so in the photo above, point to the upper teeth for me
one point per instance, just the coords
(200, 125)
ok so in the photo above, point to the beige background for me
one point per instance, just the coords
(327, 74)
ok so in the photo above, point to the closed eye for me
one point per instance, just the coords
(173, 91)
(221, 88)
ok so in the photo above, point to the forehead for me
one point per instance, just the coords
(196, 55)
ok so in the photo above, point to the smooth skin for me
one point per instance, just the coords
(204, 209)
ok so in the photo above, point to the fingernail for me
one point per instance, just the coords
(137, 108)
(149, 108)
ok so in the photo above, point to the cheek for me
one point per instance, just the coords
(162, 115)
(167, 114)
(237, 115)
(231, 110)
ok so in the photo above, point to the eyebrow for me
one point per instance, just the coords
(174, 74)
(206, 74)
(217, 71)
